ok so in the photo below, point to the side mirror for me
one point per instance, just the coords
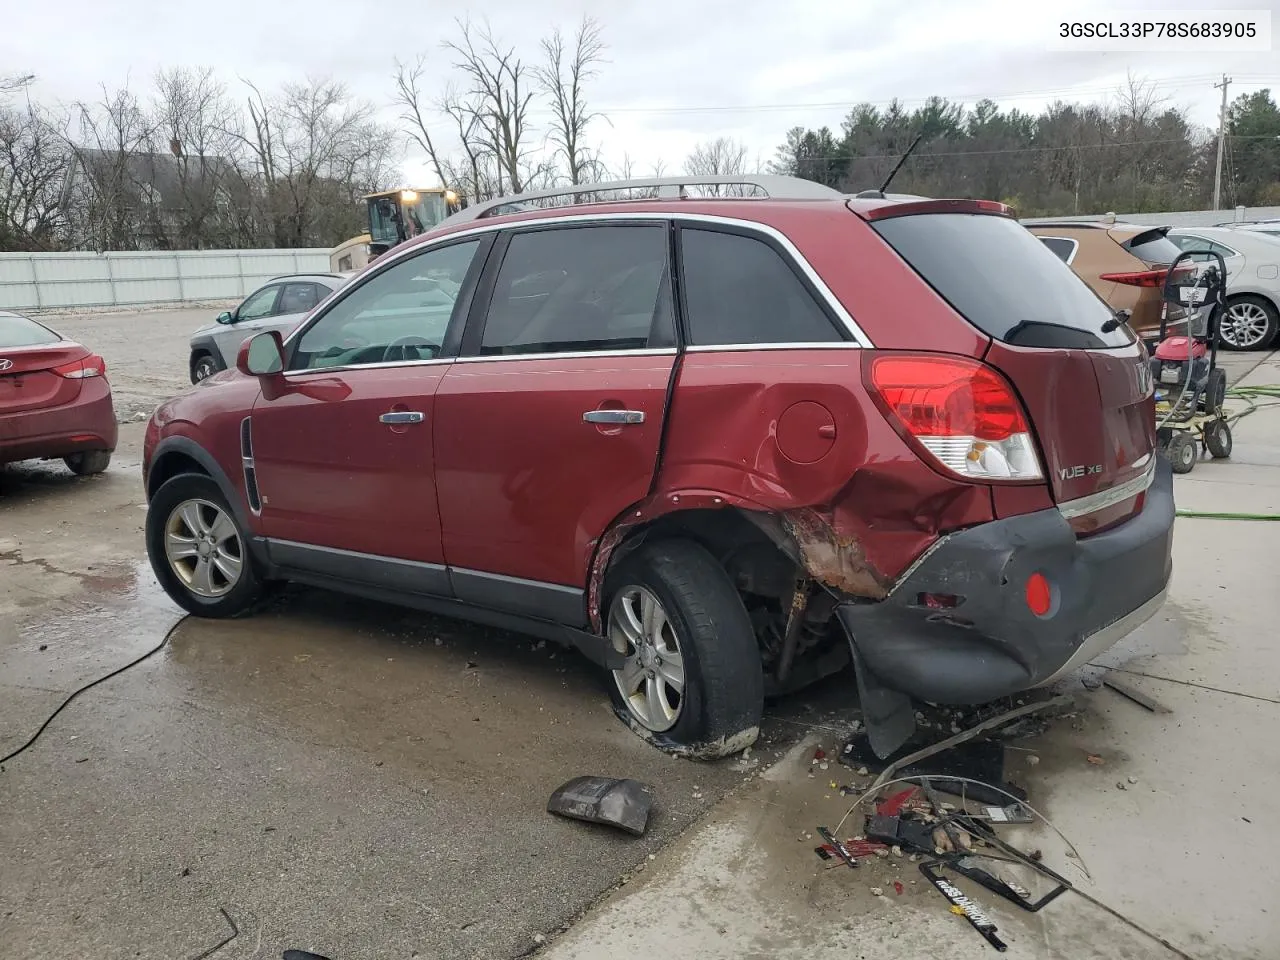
(261, 355)
(225, 317)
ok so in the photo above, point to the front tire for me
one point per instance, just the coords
(198, 551)
(203, 366)
(1182, 452)
(693, 682)
(88, 462)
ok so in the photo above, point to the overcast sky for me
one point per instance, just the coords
(678, 72)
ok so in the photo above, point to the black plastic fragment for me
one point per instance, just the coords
(617, 803)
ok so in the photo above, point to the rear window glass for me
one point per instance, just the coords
(18, 331)
(1153, 247)
(1003, 280)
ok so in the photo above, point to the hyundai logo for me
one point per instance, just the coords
(5, 364)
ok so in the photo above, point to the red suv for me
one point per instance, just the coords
(722, 446)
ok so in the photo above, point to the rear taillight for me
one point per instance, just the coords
(963, 413)
(90, 366)
(1140, 278)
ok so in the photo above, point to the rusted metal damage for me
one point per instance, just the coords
(834, 559)
(791, 638)
(803, 534)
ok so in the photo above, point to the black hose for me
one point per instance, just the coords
(89, 686)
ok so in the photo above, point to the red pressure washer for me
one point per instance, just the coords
(1190, 388)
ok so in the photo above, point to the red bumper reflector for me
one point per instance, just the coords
(1039, 595)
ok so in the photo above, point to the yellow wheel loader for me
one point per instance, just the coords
(394, 216)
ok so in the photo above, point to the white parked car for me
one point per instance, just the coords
(1253, 281)
(279, 304)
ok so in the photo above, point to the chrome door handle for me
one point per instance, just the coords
(403, 416)
(613, 416)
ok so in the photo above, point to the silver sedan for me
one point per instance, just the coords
(1253, 281)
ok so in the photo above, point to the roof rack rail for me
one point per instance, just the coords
(1238, 223)
(763, 186)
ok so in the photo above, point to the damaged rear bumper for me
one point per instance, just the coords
(991, 644)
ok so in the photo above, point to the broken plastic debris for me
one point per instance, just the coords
(1096, 760)
(897, 887)
(618, 803)
(819, 754)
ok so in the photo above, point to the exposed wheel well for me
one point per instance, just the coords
(768, 577)
(200, 353)
(1265, 298)
(168, 466)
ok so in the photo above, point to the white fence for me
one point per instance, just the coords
(53, 281)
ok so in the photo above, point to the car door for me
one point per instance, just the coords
(550, 423)
(342, 450)
(247, 319)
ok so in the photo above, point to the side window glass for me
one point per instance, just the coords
(581, 289)
(259, 305)
(401, 314)
(1187, 243)
(740, 290)
(1059, 246)
(297, 298)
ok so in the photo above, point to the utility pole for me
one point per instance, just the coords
(1222, 141)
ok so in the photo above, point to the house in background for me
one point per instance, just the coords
(158, 201)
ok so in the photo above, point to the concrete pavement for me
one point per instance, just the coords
(1186, 852)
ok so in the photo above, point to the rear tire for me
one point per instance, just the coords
(1182, 452)
(1215, 391)
(706, 630)
(1250, 321)
(1217, 438)
(88, 462)
(198, 550)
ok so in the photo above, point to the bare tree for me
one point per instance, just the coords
(719, 157)
(414, 105)
(563, 76)
(116, 201)
(500, 85)
(11, 85)
(195, 124)
(314, 152)
(480, 174)
(34, 159)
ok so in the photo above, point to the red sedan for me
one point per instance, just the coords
(55, 401)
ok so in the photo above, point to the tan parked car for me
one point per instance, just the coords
(1124, 263)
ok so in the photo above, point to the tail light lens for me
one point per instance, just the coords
(1141, 278)
(90, 366)
(963, 414)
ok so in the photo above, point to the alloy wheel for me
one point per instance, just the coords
(204, 548)
(1245, 325)
(652, 680)
(205, 367)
